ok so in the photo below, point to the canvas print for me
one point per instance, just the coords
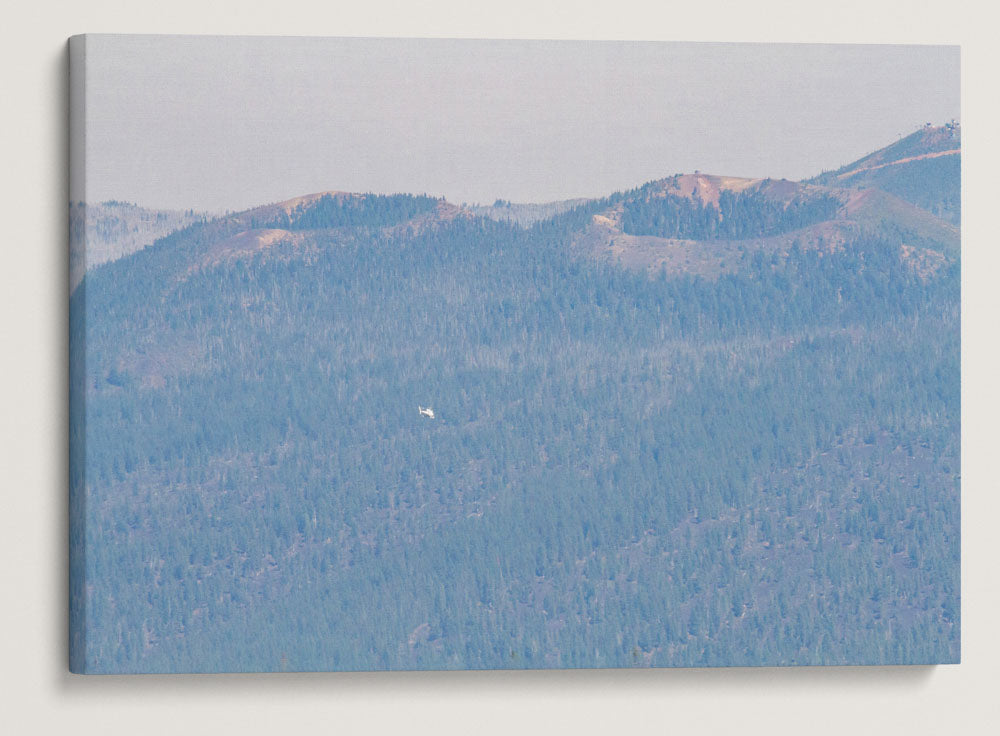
(394, 354)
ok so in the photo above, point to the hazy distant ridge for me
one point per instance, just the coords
(108, 230)
(523, 213)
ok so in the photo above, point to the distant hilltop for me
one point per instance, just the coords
(685, 223)
(924, 168)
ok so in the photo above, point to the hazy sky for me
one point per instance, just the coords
(230, 122)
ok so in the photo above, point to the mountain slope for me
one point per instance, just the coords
(623, 470)
(705, 225)
(108, 230)
(923, 168)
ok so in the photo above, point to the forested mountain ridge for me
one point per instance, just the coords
(698, 224)
(704, 225)
(924, 168)
(927, 142)
(108, 230)
(632, 462)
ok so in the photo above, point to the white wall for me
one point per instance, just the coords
(37, 694)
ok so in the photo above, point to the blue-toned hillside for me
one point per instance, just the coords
(924, 168)
(626, 467)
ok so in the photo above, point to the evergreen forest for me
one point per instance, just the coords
(625, 468)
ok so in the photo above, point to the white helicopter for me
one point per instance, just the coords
(426, 411)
